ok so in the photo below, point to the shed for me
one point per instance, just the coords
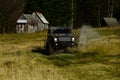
(111, 22)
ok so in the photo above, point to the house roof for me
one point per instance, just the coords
(42, 17)
(21, 21)
(30, 18)
(111, 21)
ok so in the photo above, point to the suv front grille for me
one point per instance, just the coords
(64, 38)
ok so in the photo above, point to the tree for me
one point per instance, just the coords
(9, 13)
(57, 12)
(92, 11)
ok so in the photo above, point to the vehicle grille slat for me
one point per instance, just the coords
(64, 39)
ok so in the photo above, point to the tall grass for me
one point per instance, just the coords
(18, 42)
(22, 58)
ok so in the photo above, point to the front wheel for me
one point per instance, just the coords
(49, 49)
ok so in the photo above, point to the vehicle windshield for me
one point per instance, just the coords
(62, 31)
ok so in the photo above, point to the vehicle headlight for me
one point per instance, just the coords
(55, 39)
(73, 39)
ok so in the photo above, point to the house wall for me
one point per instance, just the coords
(32, 28)
(41, 25)
(46, 26)
(22, 28)
(26, 28)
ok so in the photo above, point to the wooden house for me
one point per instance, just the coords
(28, 23)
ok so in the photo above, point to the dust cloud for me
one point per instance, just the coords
(86, 33)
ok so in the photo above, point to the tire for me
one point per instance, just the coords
(49, 49)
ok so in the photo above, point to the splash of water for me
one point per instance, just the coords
(86, 34)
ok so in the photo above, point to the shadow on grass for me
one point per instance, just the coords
(43, 51)
(40, 50)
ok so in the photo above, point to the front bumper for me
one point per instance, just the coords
(64, 44)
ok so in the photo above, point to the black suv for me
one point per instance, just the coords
(60, 38)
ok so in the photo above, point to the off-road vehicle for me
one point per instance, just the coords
(59, 38)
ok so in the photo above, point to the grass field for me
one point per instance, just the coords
(22, 58)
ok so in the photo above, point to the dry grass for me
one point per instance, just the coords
(21, 58)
